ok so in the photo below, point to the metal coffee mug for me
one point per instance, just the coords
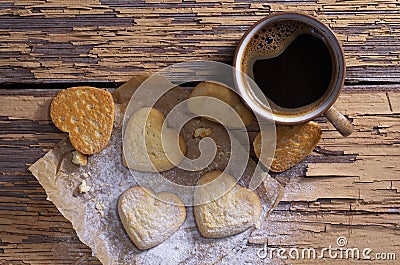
(322, 106)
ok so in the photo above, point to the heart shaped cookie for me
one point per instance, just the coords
(237, 210)
(148, 145)
(205, 100)
(87, 114)
(293, 144)
(149, 218)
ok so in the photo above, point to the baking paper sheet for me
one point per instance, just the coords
(94, 214)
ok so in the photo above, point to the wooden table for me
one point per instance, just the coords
(348, 187)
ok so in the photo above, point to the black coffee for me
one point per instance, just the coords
(290, 63)
(297, 77)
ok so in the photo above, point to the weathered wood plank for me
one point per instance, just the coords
(347, 187)
(43, 41)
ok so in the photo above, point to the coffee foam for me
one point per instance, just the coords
(271, 41)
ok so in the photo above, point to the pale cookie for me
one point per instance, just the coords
(237, 210)
(293, 144)
(125, 92)
(149, 218)
(87, 114)
(142, 146)
(205, 100)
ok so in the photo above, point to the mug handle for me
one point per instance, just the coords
(341, 123)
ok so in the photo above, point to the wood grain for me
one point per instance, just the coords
(346, 187)
(92, 40)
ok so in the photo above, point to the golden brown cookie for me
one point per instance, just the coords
(237, 210)
(213, 109)
(293, 144)
(149, 218)
(142, 141)
(87, 114)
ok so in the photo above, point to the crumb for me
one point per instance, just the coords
(257, 225)
(85, 175)
(83, 187)
(202, 132)
(79, 159)
(100, 207)
(121, 184)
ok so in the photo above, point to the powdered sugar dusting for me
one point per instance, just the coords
(95, 213)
